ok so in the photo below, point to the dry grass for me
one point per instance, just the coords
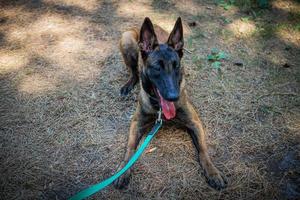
(63, 125)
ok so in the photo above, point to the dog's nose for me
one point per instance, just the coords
(172, 96)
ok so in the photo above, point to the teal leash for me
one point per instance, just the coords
(99, 186)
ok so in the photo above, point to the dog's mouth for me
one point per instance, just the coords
(168, 107)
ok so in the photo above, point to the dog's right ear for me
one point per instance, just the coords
(176, 38)
(148, 40)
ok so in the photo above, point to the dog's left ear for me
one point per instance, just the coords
(176, 38)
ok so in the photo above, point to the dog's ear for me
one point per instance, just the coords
(176, 38)
(148, 40)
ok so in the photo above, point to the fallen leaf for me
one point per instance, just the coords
(151, 150)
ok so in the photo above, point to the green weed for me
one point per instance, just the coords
(216, 57)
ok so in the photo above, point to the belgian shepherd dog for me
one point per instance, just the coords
(162, 87)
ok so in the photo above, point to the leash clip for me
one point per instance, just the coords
(159, 120)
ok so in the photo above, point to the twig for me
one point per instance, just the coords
(187, 50)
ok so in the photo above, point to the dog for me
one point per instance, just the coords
(162, 87)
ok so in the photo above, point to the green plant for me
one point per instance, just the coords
(244, 5)
(215, 58)
(226, 4)
(263, 3)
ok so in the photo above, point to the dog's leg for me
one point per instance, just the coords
(130, 54)
(137, 128)
(189, 117)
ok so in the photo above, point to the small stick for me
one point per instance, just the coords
(187, 50)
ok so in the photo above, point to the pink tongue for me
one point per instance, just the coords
(168, 107)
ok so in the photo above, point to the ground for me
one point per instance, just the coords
(64, 126)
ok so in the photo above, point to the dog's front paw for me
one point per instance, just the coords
(216, 180)
(122, 181)
(126, 89)
(129, 85)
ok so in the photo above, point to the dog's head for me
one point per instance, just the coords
(162, 72)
